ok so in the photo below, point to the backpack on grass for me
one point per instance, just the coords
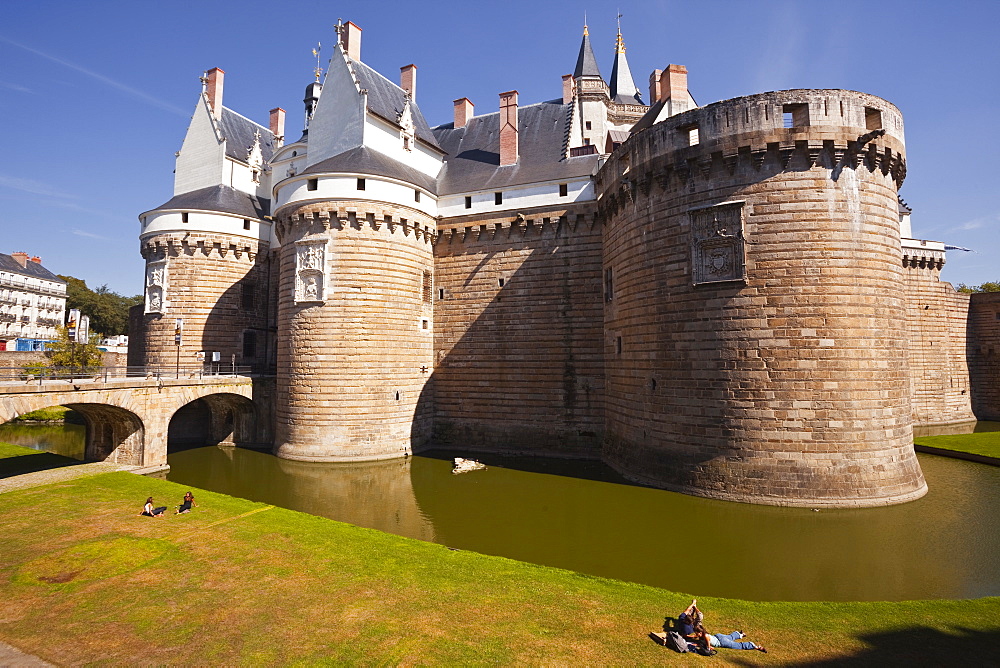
(676, 642)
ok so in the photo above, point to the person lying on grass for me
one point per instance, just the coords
(149, 511)
(706, 641)
(186, 506)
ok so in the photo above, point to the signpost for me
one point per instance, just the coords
(72, 329)
(178, 330)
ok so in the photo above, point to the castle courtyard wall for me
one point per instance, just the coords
(984, 354)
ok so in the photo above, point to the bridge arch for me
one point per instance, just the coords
(222, 418)
(113, 433)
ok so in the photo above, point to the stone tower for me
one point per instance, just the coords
(754, 302)
(206, 249)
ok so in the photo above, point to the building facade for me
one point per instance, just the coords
(32, 299)
(724, 300)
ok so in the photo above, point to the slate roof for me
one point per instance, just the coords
(649, 118)
(220, 198)
(363, 160)
(623, 88)
(903, 206)
(586, 63)
(240, 131)
(33, 269)
(385, 99)
(473, 160)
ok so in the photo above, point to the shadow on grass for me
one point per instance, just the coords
(917, 646)
(32, 463)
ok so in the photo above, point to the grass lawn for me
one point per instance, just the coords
(84, 580)
(15, 460)
(985, 443)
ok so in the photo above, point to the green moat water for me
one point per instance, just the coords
(583, 517)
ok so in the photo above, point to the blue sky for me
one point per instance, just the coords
(95, 96)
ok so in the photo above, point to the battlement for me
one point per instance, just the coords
(324, 217)
(205, 245)
(519, 227)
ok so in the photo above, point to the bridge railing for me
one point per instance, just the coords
(106, 373)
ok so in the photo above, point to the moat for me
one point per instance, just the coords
(583, 517)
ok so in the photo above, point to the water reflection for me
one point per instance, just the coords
(68, 440)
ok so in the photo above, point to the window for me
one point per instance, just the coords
(312, 184)
(563, 190)
(795, 115)
(498, 198)
(246, 224)
(440, 293)
(416, 195)
(873, 118)
(184, 217)
(468, 202)
(609, 285)
(248, 295)
(692, 136)
(501, 281)
(425, 323)
(588, 125)
(361, 184)
(586, 142)
(618, 345)
(428, 286)
(249, 344)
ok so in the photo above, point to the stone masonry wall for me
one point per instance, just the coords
(519, 363)
(756, 348)
(936, 319)
(984, 354)
(353, 362)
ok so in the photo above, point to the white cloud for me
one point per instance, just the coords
(90, 235)
(976, 223)
(16, 87)
(32, 186)
(134, 92)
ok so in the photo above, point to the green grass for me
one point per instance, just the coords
(16, 460)
(985, 443)
(85, 580)
(50, 414)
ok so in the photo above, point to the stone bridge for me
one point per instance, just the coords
(128, 419)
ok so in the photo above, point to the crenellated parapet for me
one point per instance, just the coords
(320, 218)
(218, 247)
(520, 227)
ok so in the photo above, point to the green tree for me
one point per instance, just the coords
(108, 310)
(68, 354)
(989, 286)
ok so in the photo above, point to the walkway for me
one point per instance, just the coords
(64, 473)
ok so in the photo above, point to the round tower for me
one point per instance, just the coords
(207, 264)
(754, 304)
(355, 282)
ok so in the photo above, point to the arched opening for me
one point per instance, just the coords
(216, 419)
(113, 434)
(57, 430)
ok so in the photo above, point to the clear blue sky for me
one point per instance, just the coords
(95, 96)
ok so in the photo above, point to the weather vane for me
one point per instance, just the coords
(319, 70)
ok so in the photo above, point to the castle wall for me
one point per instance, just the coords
(206, 277)
(984, 354)
(756, 348)
(355, 348)
(936, 319)
(519, 362)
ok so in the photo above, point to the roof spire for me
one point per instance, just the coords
(586, 63)
(623, 89)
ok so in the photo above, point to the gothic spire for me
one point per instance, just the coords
(623, 90)
(586, 64)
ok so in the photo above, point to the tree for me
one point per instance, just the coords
(108, 310)
(69, 354)
(985, 287)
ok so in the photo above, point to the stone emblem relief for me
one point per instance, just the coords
(156, 286)
(718, 250)
(310, 271)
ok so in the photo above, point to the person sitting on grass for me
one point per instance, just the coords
(706, 641)
(149, 511)
(687, 620)
(186, 506)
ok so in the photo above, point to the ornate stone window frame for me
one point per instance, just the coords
(311, 276)
(718, 244)
(156, 286)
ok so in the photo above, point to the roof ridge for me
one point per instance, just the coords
(554, 101)
(249, 120)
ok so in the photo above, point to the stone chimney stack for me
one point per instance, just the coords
(213, 88)
(277, 124)
(654, 86)
(21, 258)
(508, 128)
(569, 86)
(674, 83)
(464, 110)
(408, 80)
(350, 37)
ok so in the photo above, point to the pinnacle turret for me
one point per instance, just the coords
(623, 88)
(586, 63)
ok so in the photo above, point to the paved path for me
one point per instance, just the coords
(11, 657)
(61, 474)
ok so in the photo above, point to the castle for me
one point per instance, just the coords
(723, 300)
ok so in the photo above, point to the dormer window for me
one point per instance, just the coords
(406, 126)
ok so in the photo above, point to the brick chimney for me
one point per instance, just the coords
(277, 124)
(654, 86)
(21, 258)
(408, 80)
(464, 110)
(213, 87)
(568, 88)
(36, 260)
(350, 37)
(674, 83)
(508, 128)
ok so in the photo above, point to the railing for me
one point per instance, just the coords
(24, 285)
(106, 373)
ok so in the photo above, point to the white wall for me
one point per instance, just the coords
(158, 222)
(202, 155)
(338, 124)
(386, 139)
(523, 197)
(345, 186)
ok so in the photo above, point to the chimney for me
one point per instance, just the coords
(36, 260)
(277, 124)
(508, 128)
(408, 80)
(654, 86)
(674, 83)
(464, 110)
(350, 37)
(213, 87)
(22, 258)
(568, 88)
